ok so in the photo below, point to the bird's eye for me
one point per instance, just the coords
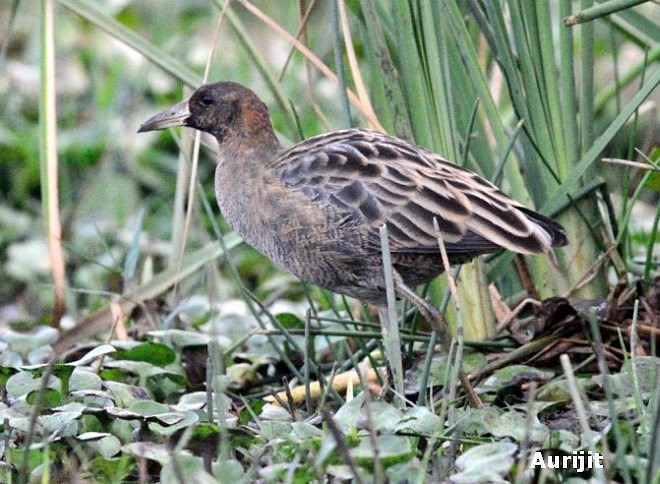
(207, 100)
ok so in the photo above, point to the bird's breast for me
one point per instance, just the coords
(279, 221)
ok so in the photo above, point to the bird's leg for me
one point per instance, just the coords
(434, 317)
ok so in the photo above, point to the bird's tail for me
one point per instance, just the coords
(556, 231)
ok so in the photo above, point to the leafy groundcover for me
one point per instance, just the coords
(142, 409)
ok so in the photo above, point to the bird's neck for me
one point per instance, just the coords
(241, 182)
(242, 175)
(244, 154)
(251, 132)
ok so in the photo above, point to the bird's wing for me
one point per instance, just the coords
(371, 179)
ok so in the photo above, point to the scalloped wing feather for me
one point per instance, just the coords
(371, 179)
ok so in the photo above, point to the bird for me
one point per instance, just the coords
(315, 209)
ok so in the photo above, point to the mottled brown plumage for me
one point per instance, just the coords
(315, 209)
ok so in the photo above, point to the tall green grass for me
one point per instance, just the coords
(445, 56)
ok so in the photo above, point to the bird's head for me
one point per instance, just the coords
(225, 109)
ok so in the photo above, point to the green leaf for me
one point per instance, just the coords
(125, 395)
(385, 415)
(5, 374)
(24, 342)
(419, 420)
(83, 379)
(112, 470)
(64, 423)
(35, 457)
(93, 354)
(514, 424)
(189, 467)
(50, 397)
(485, 463)
(148, 408)
(170, 423)
(391, 449)
(154, 353)
(25, 382)
(228, 471)
(180, 338)
(114, 374)
(149, 450)
(245, 416)
(290, 321)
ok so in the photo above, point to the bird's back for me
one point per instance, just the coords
(366, 179)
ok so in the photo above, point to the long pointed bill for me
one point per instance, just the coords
(174, 116)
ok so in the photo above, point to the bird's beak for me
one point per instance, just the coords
(174, 116)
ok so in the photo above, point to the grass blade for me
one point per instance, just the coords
(587, 160)
(88, 10)
(48, 159)
(600, 10)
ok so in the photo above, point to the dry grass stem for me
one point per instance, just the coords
(592, 272)
(55, 252)
(634, 164)
(299, 34)
(500, 308)
(514, 313)
(196, 145)
(525, 276)
(352, 59)
(325, 70)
